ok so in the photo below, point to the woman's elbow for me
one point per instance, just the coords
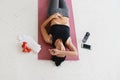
(48, 41)
(75, 53)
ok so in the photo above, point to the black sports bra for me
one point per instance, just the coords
(59, 31)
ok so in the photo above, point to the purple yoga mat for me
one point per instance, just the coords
(42, 16)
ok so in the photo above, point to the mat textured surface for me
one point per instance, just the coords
(42, 16)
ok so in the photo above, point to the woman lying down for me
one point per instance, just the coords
(58, 34)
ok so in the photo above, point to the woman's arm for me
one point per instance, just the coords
(72, 50)
(44, 33)
(46, 36)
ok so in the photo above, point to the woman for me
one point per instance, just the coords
(58, 34)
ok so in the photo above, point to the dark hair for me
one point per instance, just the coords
(58, 60)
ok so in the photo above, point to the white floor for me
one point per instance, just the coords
(99, 17)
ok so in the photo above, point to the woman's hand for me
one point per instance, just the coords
(56, 15)
(54, 51)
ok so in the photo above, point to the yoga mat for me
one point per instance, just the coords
(42, 16)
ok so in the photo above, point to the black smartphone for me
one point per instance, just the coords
(86, 46)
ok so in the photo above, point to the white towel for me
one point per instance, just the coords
(30, 43)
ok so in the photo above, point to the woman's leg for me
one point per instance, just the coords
(63, 5)
(53, 6)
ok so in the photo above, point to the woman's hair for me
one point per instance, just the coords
(58, 60)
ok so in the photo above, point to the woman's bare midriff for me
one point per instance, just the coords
(60, 20)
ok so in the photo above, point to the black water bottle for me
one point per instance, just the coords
(86, 37)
